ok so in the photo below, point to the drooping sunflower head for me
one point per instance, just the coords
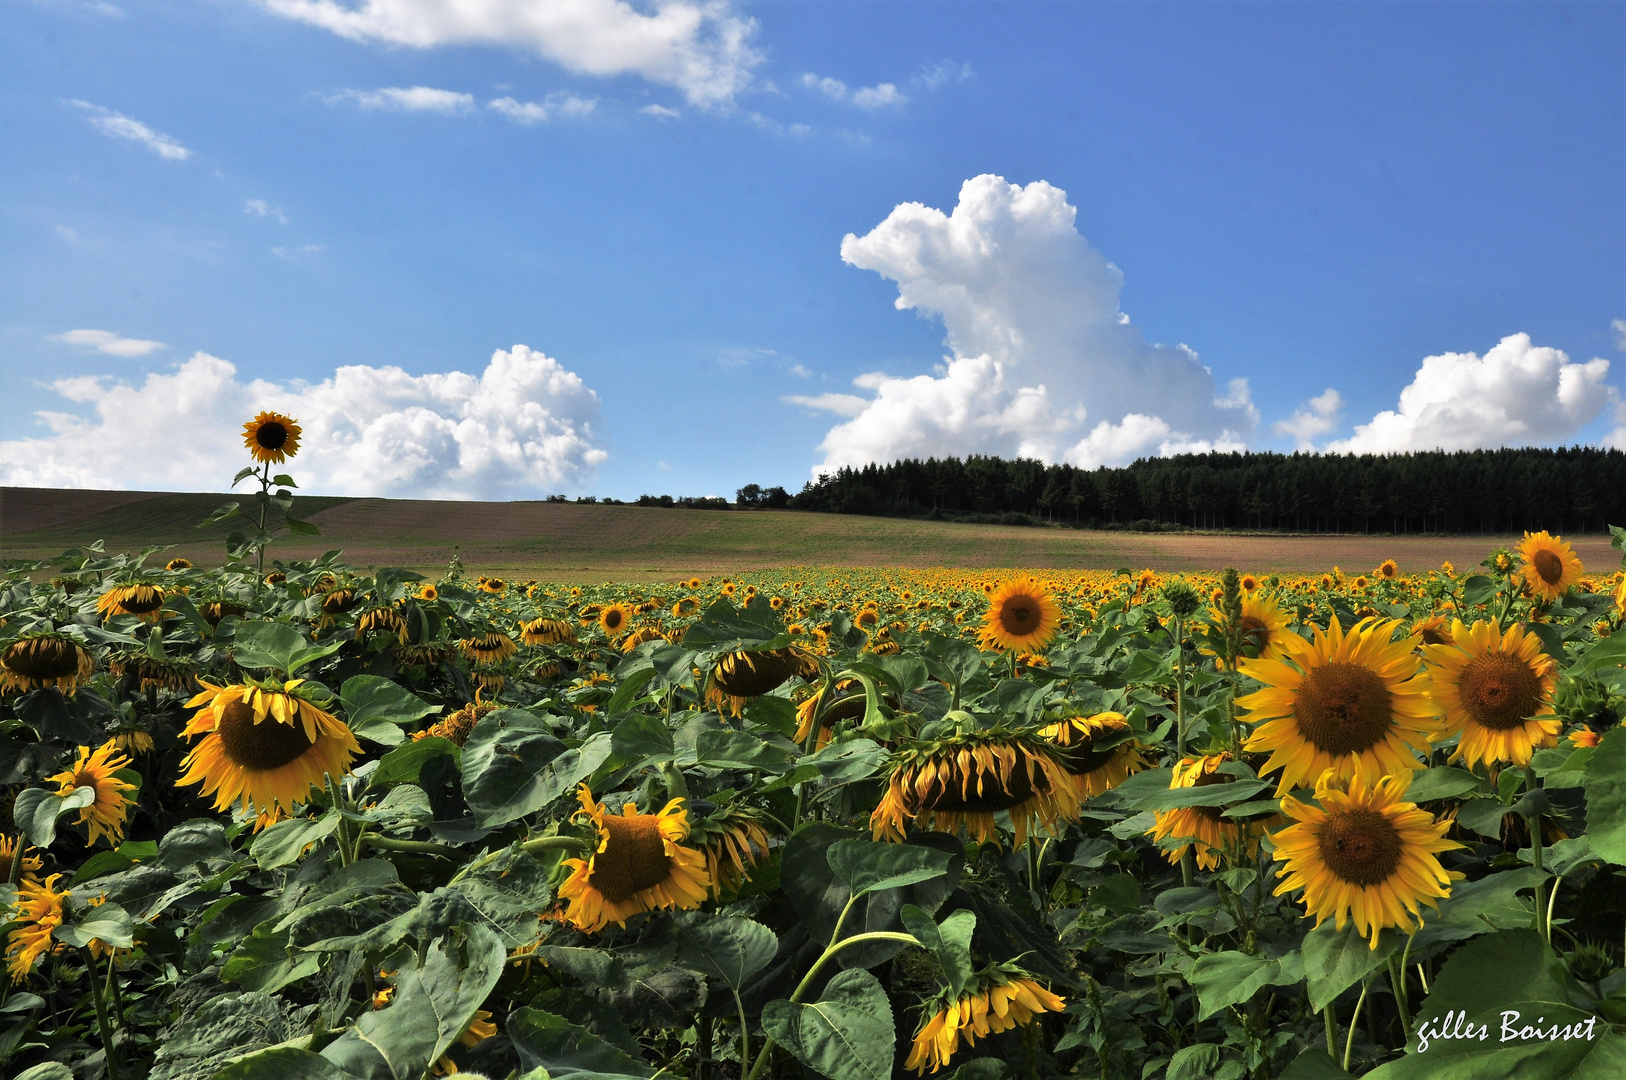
(491, 647)
(10, 846)
(1364, 855)
(178, 564)
(640, 636)
(547, 631)
(152, 672)
(1022, 614)
(216, 610)
(968, 777)
(733, 840)
(43, 659)
(1205, 830)
(639, 863)
(142, 599)
(1496, 690)
(271, 438)
(999, 998)
(263, 745)
(1353, 702)
(1550, 565)
(382, 622)
(459, 725)
(1095, 752)
(38, 911)
(95, 769)
(749, 673)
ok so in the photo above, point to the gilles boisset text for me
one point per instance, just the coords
(1456, 1025)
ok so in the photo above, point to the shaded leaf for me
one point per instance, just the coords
(846, 1035)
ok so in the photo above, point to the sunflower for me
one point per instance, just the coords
(1265, 635)
(547, 631)
(271, 438)
(382, 622)
(1434, 630)
(639, 864)
(94, 769)
(142, 599)
(45, 659)
(1387, 570)
(1496, 690)
(493, 586)
(685, 607)
(1550, 565)
(1021, 615)
(429, 594)
(491, 647)
(216, 610)
(459, 725)
(969, 777)
(9, 846)
(1249, 583)
(262, 745)
(751, 673)
(1004, 998)
(1207, 831)
(733, 842)
(429, 656)
(479, 1030)
(1364, 856)
(1097, 771)
(37, 911)
(132, 740)
(1354, 702)
(152, 672)
(178, 564)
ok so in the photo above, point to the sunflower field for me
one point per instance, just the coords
(299, 820)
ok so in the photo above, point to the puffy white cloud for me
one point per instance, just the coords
(408, 99)
(1314, 418)
(1039, 343)
(523, 426)
(1517, 394)
(108, 342)
(701, 47)
(116, 125)
(1619, 327)
(558, 103)
(878, 96)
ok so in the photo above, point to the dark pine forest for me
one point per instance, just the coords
(1572, 490)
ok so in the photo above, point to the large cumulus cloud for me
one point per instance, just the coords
(522, 427)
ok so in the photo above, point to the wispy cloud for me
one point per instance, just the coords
(660, 111)
(880, 96)
(108, 342)
(560, 103)
(406, 99)
(840, 404)
(944, 71)
(295, 254)
(116, 125)
(1619, 327)
(261, 209)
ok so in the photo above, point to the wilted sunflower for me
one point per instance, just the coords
(263, 746)
(733, 841)
(429, 656)
(271, 438)
(1097, 771)
(1265, 635)
(639, 864)
(969, 777)
(132, 740)
(152, 672)
(491, 647)
(1207, 831)
(1021, 615)
(1550, 565)
(459, 725)
(36, 661)
(1496, 691)
(216, 610)
(749, 673)
(546, 631)
(94, 769)
(640, 636)
(37, 912)
(479, 1030)
(178, 564)
(1364, 856)
(613, 620)
(9, 846)
(142, 599)
(383, 622)
(1004, 998)
(1355, 702)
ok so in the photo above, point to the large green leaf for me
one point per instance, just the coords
(1195, 1062)
(866, 867)
(403, 764)
(1479, 907)
(1429, 785)
(1606, 794)
(730, 749)
(728, 949)
(277, 647)
(1335, 960)
(846, 1035)
(279, 1063)
(949, 942)
(106, 922)
(285, 841)
(265, 962)
(544, 1040)
(1231, 978)
(226, 1027)
(503, 762)
(36, 811)
(375, 707)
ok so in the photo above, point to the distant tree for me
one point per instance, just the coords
(749, 496)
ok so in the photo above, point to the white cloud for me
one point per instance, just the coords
(70, 235)
(701, 47)
(524, 425)
(935, 75)
(261, 209)
(840, 404)
(1517, 394)
(879, 96)
(108, 342)
(118, 126)
(660, 111)
(1039, 343)
(407, 99)
(1314, 418)
(834, 89)
(1619, 327)
(799, 370)
(558, 103)
(295, 254)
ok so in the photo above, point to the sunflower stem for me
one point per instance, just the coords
(1544, 926)
(1354, 1022)
(1397, 986)
(745, 1030)
(1331, 1024)
(108, 1050)
(530, 847)
(422, 847)
(677, 787)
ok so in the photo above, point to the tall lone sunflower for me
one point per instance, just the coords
(1021, 615)
(1353, 702)
(272, 438)
(46, 659)
(94, 769)
(640, 864)
(1496, 690)
(1097, 771)
(1003, 999)
(262, 746)
(1364, 856)
(1550, 565)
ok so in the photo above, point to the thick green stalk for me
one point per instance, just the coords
(1543, 925)
(530, 847)
(108, 1049)
(1397, 986)
(1332, 1031)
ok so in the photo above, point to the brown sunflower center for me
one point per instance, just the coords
(271, 435)
(1499, 691)
(1254, 630)
(140, 599)
(1434, 635)
(1082, 758)
(1020, 615)
(1549, 566)
(995, 795)
(613, 620)
(268, 745)
(1360, 846)
(43, 658)
(634, 859)
(1343, 708)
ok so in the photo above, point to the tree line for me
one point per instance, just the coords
(1568, 489)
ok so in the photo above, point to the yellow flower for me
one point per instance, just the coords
(1550, 565)
(143, 600)
(613, 620)
(1097, 771)
(1364, 856)
(1496, 691)
(48, 659)
(38, 911)
(9, 847)
(639, 865)
(1265, 635)
(491, 647)
(546, 631)
(1011, 1002)
(1207, 831)
(106, 816)
(1021, 615)
(271, 438)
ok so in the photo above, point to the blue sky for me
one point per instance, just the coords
(211, 208)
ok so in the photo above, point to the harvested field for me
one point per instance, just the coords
(575, 541)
